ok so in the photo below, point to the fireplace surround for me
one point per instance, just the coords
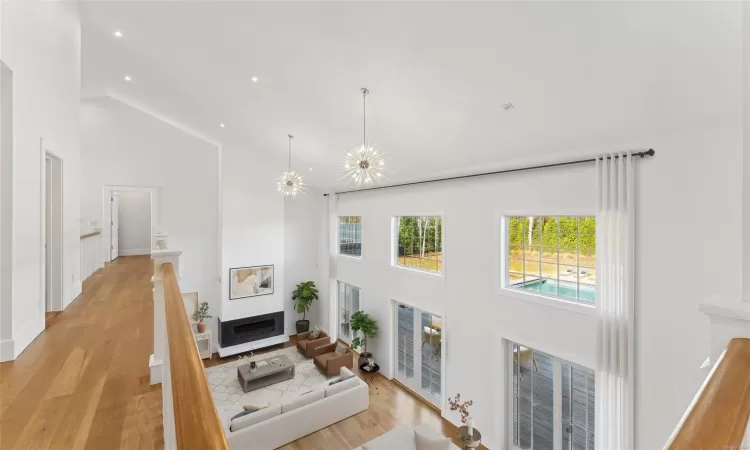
(248, 329)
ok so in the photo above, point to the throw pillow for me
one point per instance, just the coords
(253, 407)
(340, 349)
(243, 413)
(425, 442)
(315, 334)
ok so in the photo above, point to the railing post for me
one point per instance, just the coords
(160, 325)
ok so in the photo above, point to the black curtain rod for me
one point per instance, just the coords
(649, 152)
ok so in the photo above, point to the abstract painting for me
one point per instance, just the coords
(250, 281)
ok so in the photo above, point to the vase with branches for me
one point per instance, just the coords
(200, 314)
(463, 408)
(303, 296)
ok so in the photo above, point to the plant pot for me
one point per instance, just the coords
(303, 326)
(363, 357)
(201, 327)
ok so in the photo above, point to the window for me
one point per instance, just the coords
(552, 256)
(419, 243)
(350, 301)
(553, 402)
(419, 351)
(350, 236)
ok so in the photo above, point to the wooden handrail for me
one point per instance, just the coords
(197, 425)
(719, 415)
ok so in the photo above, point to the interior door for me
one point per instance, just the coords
(114, 232)
(47, 233)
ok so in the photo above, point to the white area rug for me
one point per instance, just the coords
(228, 394)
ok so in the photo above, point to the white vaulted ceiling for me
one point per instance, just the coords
(579, 74)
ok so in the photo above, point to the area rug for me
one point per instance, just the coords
(228, 394)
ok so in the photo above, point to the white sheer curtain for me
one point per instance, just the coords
(615, 179)
(333, 224)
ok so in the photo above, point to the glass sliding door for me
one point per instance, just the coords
(419, 352)
(349, 302)
(552, 402)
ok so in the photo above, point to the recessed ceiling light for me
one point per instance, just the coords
(221, 125)
(311, 169)
(127, 78)
(255, 79)
(508, 106)
(118, 33)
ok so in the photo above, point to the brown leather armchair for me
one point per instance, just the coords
(331, 363)
(307, 346)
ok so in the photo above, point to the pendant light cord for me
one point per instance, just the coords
(289, 163)
(365, 91)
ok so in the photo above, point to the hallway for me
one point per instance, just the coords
(84, 382)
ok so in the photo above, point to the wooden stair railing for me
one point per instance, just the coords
(718, 417)
(197, 425)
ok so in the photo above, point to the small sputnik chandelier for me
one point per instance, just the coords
(364, 164)
(290, 183)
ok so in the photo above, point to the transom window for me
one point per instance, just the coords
(553, 402)
(552, 256)
(349, 302)
(350, 236)
(419, 243)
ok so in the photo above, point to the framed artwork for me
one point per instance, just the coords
(250, 281)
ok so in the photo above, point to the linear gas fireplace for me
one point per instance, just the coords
(240, 331)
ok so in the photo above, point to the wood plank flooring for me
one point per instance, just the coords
(84, 382)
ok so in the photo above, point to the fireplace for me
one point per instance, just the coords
(240, 331)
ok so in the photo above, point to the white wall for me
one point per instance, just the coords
(135, 223)
(688, 226)
(123, 146)
(40, 43)
(302, 217)
(746, 152)
(252, 228)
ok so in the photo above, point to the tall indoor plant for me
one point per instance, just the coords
(362, 322)
(303, 296)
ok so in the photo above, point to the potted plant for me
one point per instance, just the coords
(303, 296)
(200, 314)
(362, 322)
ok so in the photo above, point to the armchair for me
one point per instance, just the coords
(331, 363)
(308, 346)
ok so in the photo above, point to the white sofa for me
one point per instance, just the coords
(403, 438)
(281, 424)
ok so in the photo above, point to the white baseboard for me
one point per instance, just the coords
(6, 350)
(134, 252)
(25, 338)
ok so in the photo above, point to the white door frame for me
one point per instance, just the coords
(56, 230)
(441, 402)
(107, 214)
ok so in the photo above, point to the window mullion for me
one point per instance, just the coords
(557, 428)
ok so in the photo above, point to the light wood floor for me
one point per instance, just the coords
(84, 382)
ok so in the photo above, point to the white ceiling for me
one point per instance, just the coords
(579, 74)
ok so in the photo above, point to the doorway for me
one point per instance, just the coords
(130, 213)
(52, 233)
(419, 351)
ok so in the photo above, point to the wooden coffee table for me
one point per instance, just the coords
(265, 373)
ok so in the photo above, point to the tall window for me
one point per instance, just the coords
(553, 402)
(350, 236)
(419, 242)
(553, 256)
(350, 301)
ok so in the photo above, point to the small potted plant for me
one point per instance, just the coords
(200, 314)
(303, 296)
(362, 322)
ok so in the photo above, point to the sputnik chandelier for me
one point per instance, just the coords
(290, 183)
(364, 164)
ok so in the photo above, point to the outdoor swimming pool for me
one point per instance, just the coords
(587, 294)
